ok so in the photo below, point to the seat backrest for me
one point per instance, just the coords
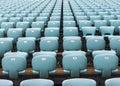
(37, 82)
(49, 44)
(27, 42)
(72, 43)
(79, 82)
(44, 64)
(4, 82)
(97, 41)
(74, 63)
(13, 65)
(112, 82)
(102, 61)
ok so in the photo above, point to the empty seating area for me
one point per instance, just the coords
(59, 42)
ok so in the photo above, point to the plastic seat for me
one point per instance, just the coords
(98, 23)
(7, 25)
(68, 18)
(38, 24)
(45, 19)
(4, 82)
(52, 32)
(54, 18)
(37, 82)
(70, 31)
(15, 33)
(97, 41)
(95, 17)
(49, 44)
(78, 18)
(73, 52)
(72, 43)
(83, 23)
(6, 44)
(74, 64)
(98, 52)
(107, 30)
(9, 15)
(102, 61)
(23, 25)
(108, 17)
(28, 19)
(23, 54)
(54, 24)
(33, 32)
(13, 65)
(116, 24)
(3, 20)
(21, 15)
(43, 65)
(69, 24)
(79, 81)
(114, 43)
(112, 82)
(27, 42)
(15, 19)
(33, 15)
(2, 33)
(88, 30)
(44, 53)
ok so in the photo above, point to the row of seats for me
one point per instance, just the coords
(55, 31)
(70, 43)
(74, 63)
(68, 82)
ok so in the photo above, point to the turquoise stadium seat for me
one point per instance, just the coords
(88, 30)
(114, 43)
(73, 52)
(44, 19)
(23, 25)
(55, 18)
(69, 23)
(116, 24)
(48, 44)
(2, 33)
(4, 82)
(33, 32)
(3, 20)
(102, 61)
(6, 44)
(38, 24)
(98, 23)
(70, 31)
(83, 23)
(54, 24)
(27, 42)
(52, 32)
(37, 82)
(68, 18)
(15, 33)
(112, 82)
(13, 65)
(15, 19)
(28, 19)
(74, 64)
(107, 30)
(72, 43)
(39, 62)
(7, 25)
(97, 41)
(79, 81)
(98, 52)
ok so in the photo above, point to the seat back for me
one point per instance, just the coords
(44, 64)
